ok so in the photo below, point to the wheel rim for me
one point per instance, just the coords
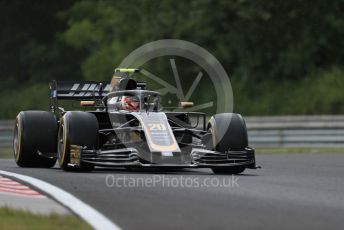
(17, 140)
(61, 145)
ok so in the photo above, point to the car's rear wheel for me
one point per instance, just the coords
(76, 128)
(228, 132)
(34, 141)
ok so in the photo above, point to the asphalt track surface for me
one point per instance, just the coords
(295, 191)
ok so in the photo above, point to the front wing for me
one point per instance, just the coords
(131, 157)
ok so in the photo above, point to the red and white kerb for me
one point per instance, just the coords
(8, 186)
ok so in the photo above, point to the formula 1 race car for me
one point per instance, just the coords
(122, 125)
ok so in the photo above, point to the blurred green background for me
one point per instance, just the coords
(283, 57)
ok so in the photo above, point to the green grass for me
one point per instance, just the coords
(291, 150)
(20, 220)
(6, 153)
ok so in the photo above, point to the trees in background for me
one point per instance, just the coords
(31, 47)
(280, 54)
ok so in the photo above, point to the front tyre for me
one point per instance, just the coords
(228, 132)
(76, 128)
(34, 141)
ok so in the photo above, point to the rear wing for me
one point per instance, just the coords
(80, 90)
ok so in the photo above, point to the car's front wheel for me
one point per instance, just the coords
(228, 132)
(76, 128)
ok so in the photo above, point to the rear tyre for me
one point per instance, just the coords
(34, 141)
(76, 128)
(228, 132)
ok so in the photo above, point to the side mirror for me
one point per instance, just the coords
(186, 104)
(87, 103)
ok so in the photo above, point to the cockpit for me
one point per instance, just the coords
(133, 101)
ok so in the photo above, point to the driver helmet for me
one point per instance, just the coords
(130, 103)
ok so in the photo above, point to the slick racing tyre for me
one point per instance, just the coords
(228, 132)
(35, 138)
(76, 128)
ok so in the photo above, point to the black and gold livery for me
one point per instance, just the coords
(101, 132)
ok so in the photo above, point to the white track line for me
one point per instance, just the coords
(86, 212)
